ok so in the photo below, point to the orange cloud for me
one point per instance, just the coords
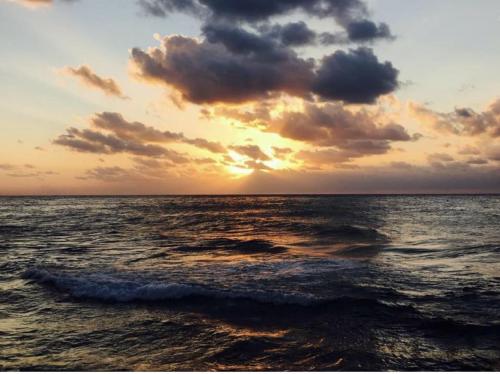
(87, 76)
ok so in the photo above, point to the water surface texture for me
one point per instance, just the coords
(250, 283)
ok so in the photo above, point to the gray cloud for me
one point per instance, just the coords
(225, 71)
(463, 121)
(356, 76)
(90, 141)
(440, 157)
(115, 123)
(233, 65)
(349, 14)
(333, 125)
(112, 134)
(360, 31)
(387, 180)
(258, 10)
(292, 34)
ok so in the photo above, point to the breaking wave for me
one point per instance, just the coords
(108, 288)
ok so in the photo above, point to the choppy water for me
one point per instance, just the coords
(250, 283)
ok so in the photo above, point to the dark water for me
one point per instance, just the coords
(250, 283)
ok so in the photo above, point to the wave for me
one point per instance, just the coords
(351, 231)
(234, 245)
(109, 288)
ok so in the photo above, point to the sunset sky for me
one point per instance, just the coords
(249, 96)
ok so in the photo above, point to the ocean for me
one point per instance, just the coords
(250, 283)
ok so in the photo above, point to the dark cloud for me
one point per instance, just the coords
(160, 8)
(205, 72)
(367, 31)
(239, 41)
(233, 65)
(258, 10)
(292, 34)
(361, 31)
(351, 15)
(87, 76)
(252, 151)
(356, 76)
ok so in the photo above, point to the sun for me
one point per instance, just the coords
(238, 171)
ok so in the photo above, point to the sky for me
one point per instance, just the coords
(249, 96)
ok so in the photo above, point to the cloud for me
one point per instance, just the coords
(112, 134)
(493, 153)
(469, 150)
(462, 121)
(256, 165)
(115, 123)
(252, 151)
(213, 147)
(376, 180)
(281, 152)
(110, 174)
(349, 14)
(24, 171)
(90, 141)
(326, 157)
(7, 167)
(367, 31)
(477, 161)
(440, 157)
(292, 34)
(356, 76)
(226, 71)
(88, 77)
(333, 125)
(233, 65)
(258, 10)
(361, 31)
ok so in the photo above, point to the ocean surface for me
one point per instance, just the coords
(250, 283)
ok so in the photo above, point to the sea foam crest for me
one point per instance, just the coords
(111, 288)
